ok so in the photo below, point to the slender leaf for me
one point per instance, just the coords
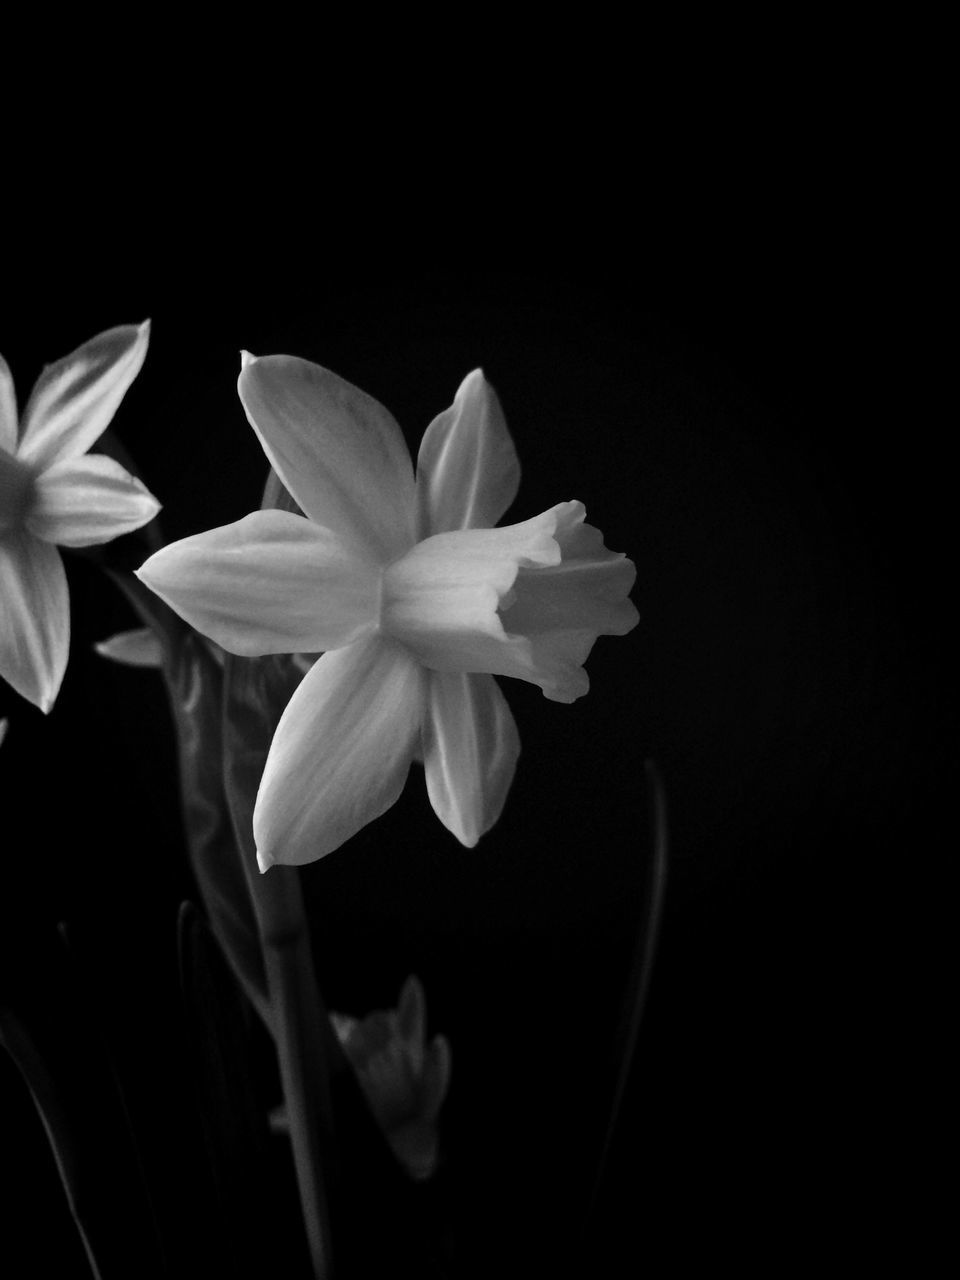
(638, 980)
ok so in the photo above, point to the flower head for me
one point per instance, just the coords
(404, 1079)
(53, 495)
(414, 598)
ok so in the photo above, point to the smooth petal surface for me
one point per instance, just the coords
(272, 582)
(34, 619)
(137, 648)
(441, 599)
(340, 453)
(8, 409)
(75, 399)
(88, 500)
(468, 471)
(471, 745)
(341, 752)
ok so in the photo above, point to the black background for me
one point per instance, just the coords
(725, 378)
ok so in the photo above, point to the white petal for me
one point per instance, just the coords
(341, 752)
(471, 745)
(137, 648)
(85, 501)
(340, 453)
(272, 582)
(75, 399)
(468, 471)
(35, 618)
(8, 410)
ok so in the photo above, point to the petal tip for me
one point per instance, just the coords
(264, 862)
(246, 359)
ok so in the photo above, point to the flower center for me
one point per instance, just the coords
(16, 491)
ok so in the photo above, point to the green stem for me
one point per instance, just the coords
(301, 1024)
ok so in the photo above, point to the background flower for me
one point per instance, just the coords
(52, 494)
(405, 1080)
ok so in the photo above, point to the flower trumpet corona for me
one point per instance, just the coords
(414, 599)
(53, 495)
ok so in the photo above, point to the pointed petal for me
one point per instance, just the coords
(75, 399)
(340, 453)
(343, 1025)
(88, 500)
(8, 409)
(137, 648)
(471, 745)
(270, 583)
(341, 752)
(468, 471)
(35, 618)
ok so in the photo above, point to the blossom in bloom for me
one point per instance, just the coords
(414, 598)
(404, 1079)
(53, 494)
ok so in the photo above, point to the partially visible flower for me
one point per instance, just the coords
(53, 495)
(137, 648)
(405, 1080)
(415, 599)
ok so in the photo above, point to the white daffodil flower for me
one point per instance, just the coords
(414, 598)
(53, 495)
(404, 1079)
